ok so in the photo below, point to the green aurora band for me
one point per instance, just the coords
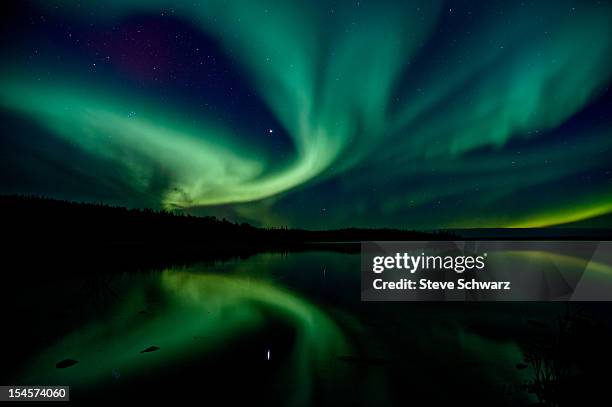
(196, 305)
(196, 312)
(347, 88)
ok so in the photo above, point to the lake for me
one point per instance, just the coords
(286, 329)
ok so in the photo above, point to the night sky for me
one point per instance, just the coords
(315, 114)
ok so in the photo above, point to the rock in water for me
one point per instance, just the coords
(521, 366)
(66, 363)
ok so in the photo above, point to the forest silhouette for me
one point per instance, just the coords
(51, 232)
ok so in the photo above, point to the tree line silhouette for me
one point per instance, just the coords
(43, 233)
(35, 218)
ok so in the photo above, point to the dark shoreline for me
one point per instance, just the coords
(56, 238)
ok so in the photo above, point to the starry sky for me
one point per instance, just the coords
(316, 114)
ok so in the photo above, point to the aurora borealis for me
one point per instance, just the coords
(202, 312)
(197, 305)
(314, 114)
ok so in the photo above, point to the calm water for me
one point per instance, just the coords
(287, 329)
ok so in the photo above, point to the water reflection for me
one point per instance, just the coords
(173, 309)
(303, 308)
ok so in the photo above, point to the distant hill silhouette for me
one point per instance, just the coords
(34, 219)
(564, 232)
(50, 236)
(44, 236)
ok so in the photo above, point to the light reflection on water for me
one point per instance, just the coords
(338, 343)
